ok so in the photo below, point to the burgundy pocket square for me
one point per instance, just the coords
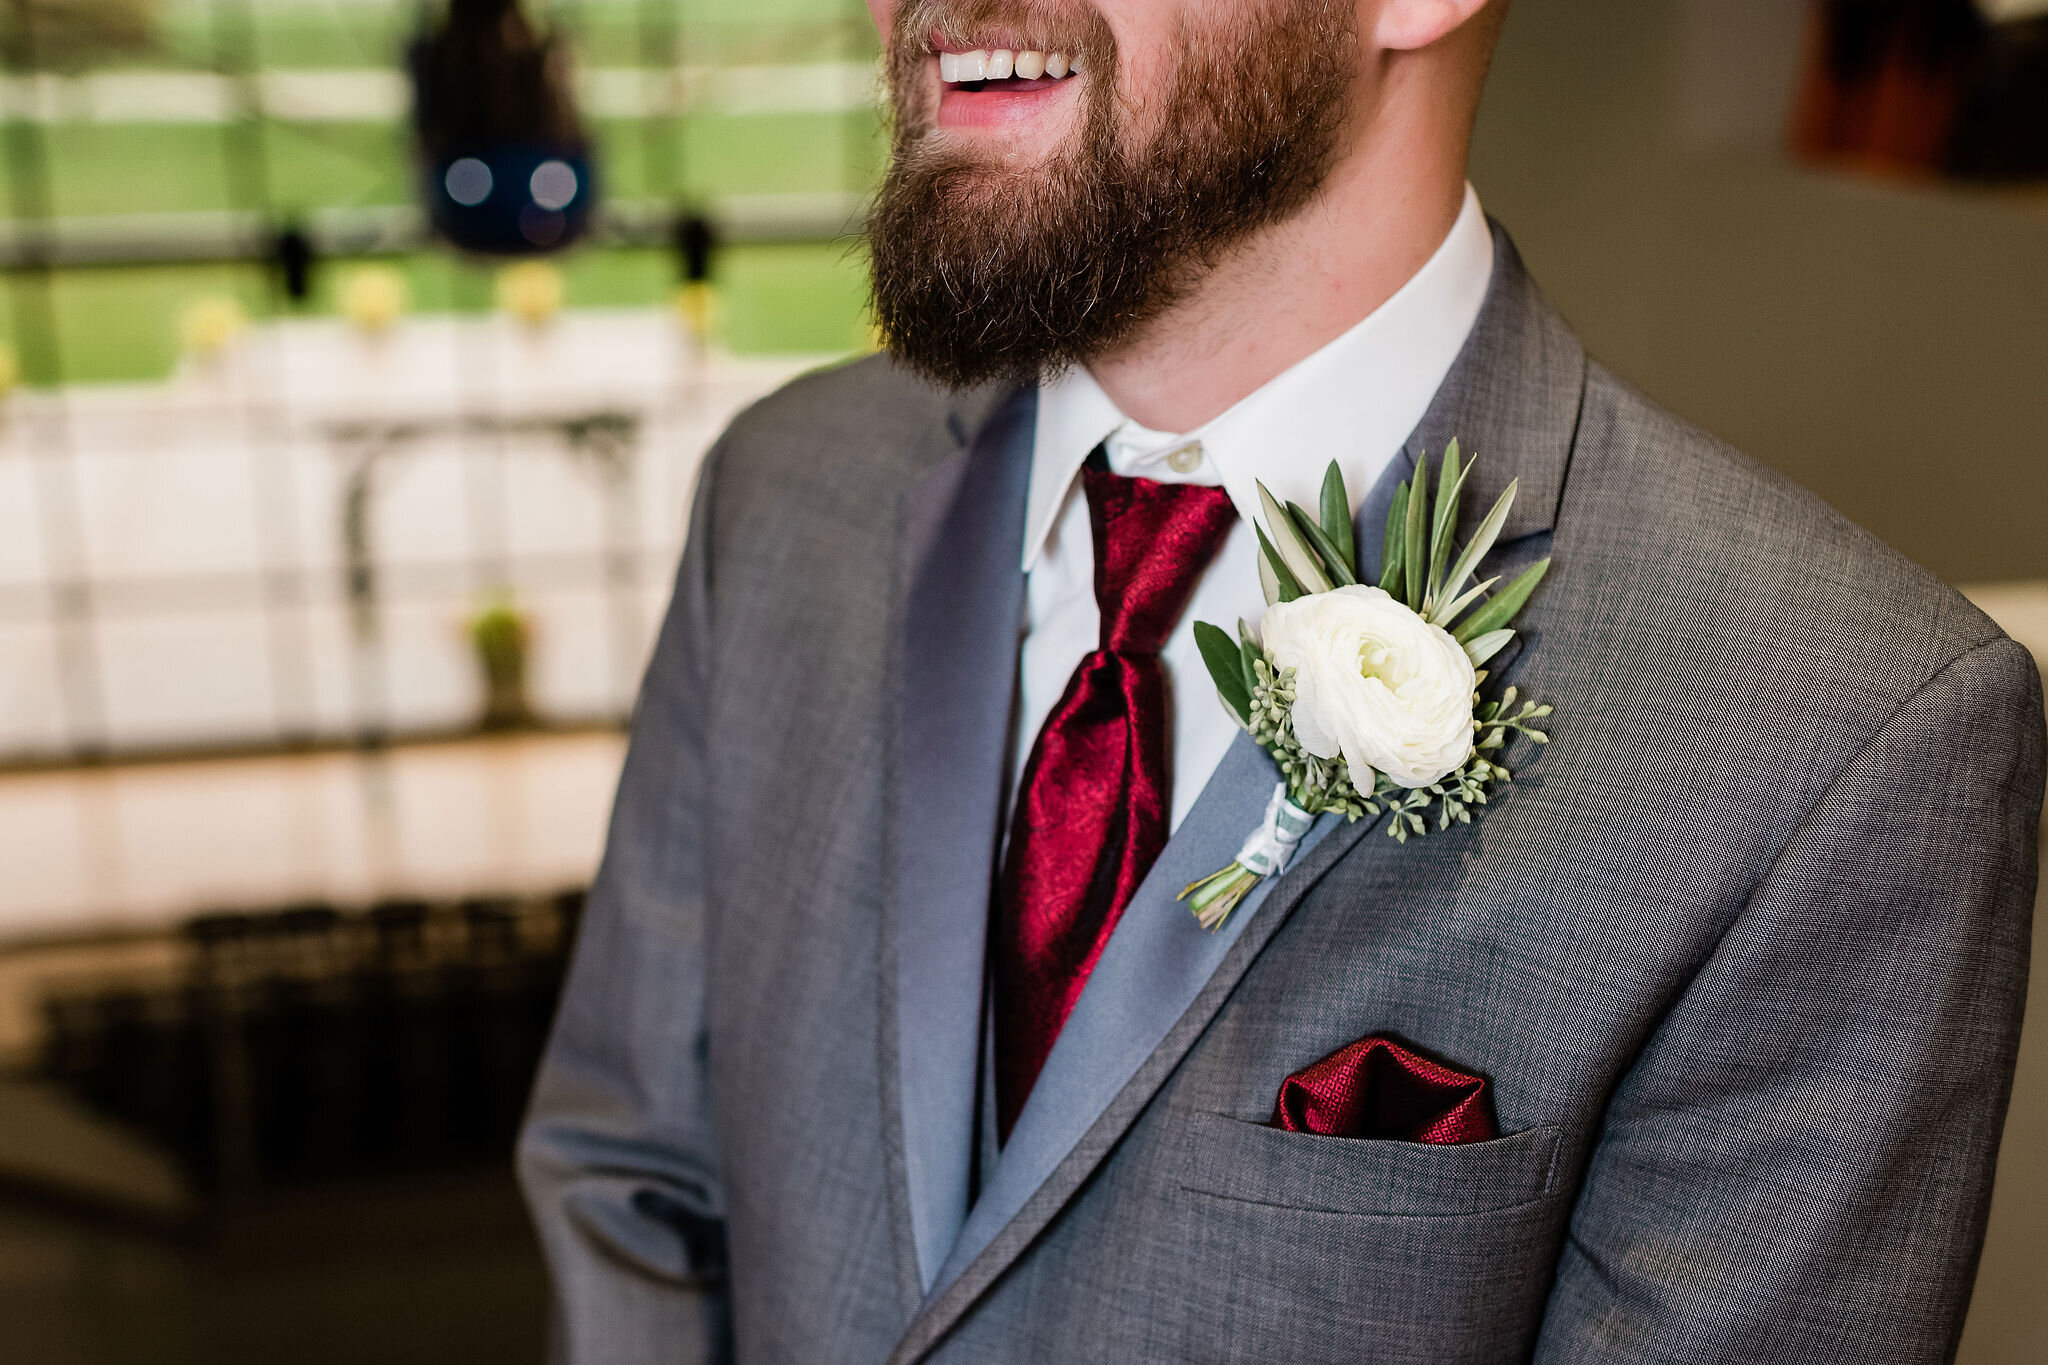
(1375, 1088)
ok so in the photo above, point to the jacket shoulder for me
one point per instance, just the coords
(1752, 557)
(867, 417)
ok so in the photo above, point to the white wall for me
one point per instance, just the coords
(199, 524)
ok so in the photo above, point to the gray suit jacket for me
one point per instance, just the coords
(1743, 951)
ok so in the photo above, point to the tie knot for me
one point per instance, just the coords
(1152, 541)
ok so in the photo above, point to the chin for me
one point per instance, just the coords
(996, 157)
(996, 162)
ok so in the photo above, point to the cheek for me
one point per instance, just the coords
(1149, 35)
(883, 12)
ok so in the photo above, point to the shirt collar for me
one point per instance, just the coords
(1355, 400)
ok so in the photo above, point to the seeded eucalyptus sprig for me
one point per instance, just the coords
(1457, 792)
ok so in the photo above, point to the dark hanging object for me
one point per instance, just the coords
(292, 254)
(505, 161)
(694, 244)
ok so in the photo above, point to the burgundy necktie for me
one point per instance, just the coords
(1091, 813)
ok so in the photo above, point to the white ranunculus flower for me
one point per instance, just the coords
(1375, 683)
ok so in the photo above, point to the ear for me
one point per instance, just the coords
(1407, 25)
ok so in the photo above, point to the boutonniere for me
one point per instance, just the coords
(1368, 696)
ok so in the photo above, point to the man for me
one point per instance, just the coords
(887, 1038)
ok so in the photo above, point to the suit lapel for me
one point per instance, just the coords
(1513, 398)
(955, 670)
(1511, 401)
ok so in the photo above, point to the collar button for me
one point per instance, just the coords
(1187, 459)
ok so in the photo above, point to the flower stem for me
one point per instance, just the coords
(1216, 895)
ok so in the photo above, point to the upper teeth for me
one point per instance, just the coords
(983, 64)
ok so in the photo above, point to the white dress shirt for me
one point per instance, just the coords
(1355, 401)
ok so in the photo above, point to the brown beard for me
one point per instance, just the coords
(981, 273)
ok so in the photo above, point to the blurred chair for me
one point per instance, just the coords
(303, 1045)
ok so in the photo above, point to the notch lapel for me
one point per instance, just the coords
(1511, 401)
(1513, 398)
(962, 596)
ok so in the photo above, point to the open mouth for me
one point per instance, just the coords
(1000, 82)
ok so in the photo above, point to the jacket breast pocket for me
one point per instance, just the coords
(1230, 1158)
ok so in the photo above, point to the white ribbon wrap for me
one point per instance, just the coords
(1270, 846)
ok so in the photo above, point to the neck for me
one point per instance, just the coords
(1290, 289)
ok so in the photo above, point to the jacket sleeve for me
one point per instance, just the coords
(617, 1157)
(1799, 1164)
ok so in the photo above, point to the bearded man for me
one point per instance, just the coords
(888, 1036)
